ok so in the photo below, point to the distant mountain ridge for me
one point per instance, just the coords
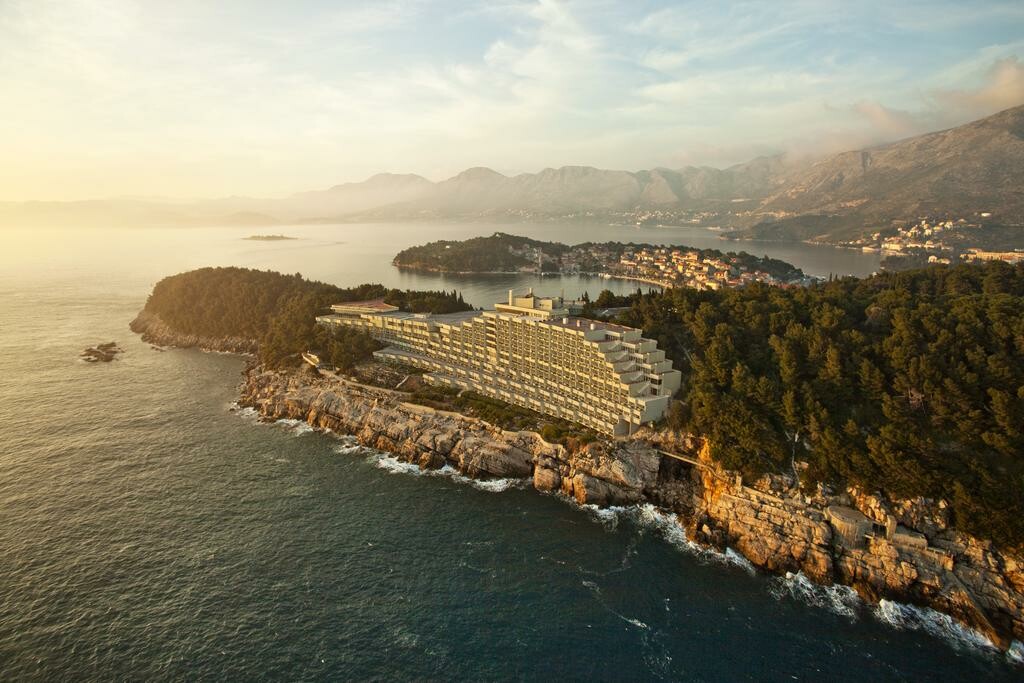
(960, 172)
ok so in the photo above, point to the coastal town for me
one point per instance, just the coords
(673, 267)
(663, 266)
(940, 241)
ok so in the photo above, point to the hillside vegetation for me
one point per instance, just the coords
(496, 253)
(910, 383)
(277, 310)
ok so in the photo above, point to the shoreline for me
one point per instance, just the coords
(597, 276)
(770, 524)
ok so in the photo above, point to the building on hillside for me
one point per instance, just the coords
(359, 307)
(982, 255)
(532, 352)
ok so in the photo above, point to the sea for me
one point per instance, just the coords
(151, 530)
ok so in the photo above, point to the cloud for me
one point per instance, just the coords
(1002, 88)
(1000, 85)
(886, 123)
(247, 97)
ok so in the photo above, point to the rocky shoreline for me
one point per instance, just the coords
(897, 550)
(155, 331)
(773, 526)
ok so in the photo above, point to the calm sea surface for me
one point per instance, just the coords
(148, 531)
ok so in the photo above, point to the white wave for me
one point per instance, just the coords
(668, 526)
(635, 622)
(1015, 655)
(937, 624)
(734, 558)
(839, 599)
(392, 464)
(348, 445)
(248, 413)
(491, 485)
(298, 427)
(217, 352)
(647, 516)
(607, 517)
(498, 485)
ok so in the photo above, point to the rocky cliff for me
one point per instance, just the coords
(155, 331)
(381, 419)
(900, 550)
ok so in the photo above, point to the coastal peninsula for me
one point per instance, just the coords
(269, 238)
(664, 266)
(805, 433)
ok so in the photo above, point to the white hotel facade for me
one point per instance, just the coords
(531, 352)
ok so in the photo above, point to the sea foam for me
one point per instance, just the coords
(297, 427)
(647, 516)
(937, 624)
(390, 463)
(838, 599)
(348, 445)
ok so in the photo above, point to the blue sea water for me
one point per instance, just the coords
(149, 530)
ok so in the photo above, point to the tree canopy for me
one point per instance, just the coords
(277, 310)
(911, 383)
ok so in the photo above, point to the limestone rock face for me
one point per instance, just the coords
(155, 331)
(546, 478)
(909, 554)
(598, 474)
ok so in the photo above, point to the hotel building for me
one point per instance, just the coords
(530, 351)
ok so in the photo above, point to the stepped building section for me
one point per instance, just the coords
(530, 351)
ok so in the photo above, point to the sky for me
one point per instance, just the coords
(196, 98)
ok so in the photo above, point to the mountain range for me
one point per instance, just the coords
(961, 172)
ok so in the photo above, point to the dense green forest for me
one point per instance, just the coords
(501, 252)
(277, 310)
(475, 255)
(344, 347)
(911, 383)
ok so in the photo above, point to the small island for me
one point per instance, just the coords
(269, 238)
(661, 265)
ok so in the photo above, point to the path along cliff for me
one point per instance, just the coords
(899, 550)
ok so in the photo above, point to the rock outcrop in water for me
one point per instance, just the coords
(900, 550)
(101, 353)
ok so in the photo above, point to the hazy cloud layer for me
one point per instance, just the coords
(112, 97)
